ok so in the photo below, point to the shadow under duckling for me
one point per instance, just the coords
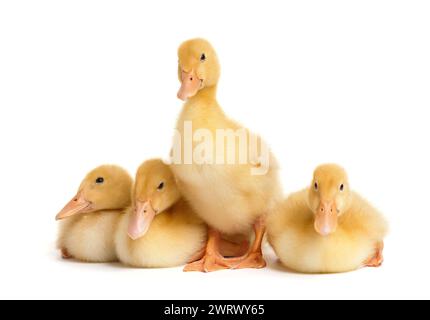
(327, 228)
(90, 218)
(159, 230)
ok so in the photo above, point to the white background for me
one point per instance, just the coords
(89, 82)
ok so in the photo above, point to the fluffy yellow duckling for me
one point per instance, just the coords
(160, 229)
(228, 197)
(91, 217)
(327, 228)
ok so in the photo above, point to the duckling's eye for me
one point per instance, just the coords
(316, 186)
(203, 57)
(160, 186)
(341, 187)
(100, 180)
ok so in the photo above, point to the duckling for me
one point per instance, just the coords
(228, 197)
(327, 228)
(90, 218)
(160, 229)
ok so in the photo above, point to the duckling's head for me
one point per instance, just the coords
(155, 191)
(329, 196)
(107, 187)
(198, 67)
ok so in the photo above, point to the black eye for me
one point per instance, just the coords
(316, 186)
(341, 187)
(160, 186)
(100, 180)
(203, 57)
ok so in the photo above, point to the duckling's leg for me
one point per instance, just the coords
(227, 248)
(254, 258)
(65, 254)
(212, 259)
(378, 258)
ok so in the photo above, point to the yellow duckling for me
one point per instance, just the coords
(91, 217)
(327, 228)
(160, 229)
(227, 196)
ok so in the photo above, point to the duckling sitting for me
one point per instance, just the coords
(91, 217)
(327, 228)
(227, 196)
(160, 229)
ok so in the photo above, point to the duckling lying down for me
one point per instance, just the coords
(90, 218)
(159, 230)
(327, 228)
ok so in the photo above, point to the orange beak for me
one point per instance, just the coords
(190, 85)
(75, 206)
(326, 218)
(141, 218)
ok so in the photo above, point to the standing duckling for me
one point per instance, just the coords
(160, 229)
(327, 228)
(228, 197)
(91, 217)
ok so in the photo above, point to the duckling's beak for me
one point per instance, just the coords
(75, 206)
(190, 85)
(140, 220)
(326, 218)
